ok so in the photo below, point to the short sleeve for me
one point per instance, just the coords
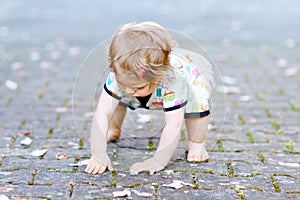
(111, 86)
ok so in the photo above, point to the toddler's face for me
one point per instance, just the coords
(135, 88)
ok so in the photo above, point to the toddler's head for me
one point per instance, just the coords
(140, 52)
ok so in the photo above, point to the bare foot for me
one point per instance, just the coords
(113, 136)
(197, 152)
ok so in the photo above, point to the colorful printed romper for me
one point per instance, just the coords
(186, 85)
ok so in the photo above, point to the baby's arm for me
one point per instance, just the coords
(99, 160)
(167, 145)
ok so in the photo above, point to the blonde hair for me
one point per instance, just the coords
(141, 49)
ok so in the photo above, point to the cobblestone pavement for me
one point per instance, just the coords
(253, 142)
(254, 154)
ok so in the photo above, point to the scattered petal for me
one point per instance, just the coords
(38, 153)
(89, 114)
(45, 65)
(245, 174)
(11, 84)
(177, 184)
(211, 127)
(61, 109)
(16, 66)
(143, 118)
(240, 187)
(35, 56)
(74, 51)
(124, 193)
(291, 71)
(24, 133)
(169, 172)
(224, 183)
(6, 189)
(3, 197)
(73, 144)
(142, 194)
(164, 177)
(245, 98)
(61, 156)
(289, 164)
(80, 163)
(282, 63)
(228, 80)
(26, 141)
(115, 163)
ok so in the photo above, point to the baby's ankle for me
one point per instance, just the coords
(113, 135)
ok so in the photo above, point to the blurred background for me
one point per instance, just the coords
(95, 20)
(43, 43)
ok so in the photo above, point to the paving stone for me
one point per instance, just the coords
(56, 191)
(257, 140)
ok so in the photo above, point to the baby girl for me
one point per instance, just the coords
(147, 71)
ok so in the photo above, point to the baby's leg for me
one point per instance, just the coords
(197, 129)
(115, 123)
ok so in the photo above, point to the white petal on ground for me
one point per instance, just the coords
(289, 164)
(124, 193)
(245, 98)
(282, 63)
(37, 153)
(178, 184)
(291, 71)
(74, 51)
(80, 163)
(35, 56)
(142, 194)
(17, 66)
(46, 65)
(11, 84)
(61, 109)
(240, 187)
(229, 80)
(26, 141)
(89, 114)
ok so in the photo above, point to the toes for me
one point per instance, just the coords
(190, 158)
(197, 158)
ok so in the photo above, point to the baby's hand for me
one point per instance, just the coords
(98, 167)
(150, 165)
